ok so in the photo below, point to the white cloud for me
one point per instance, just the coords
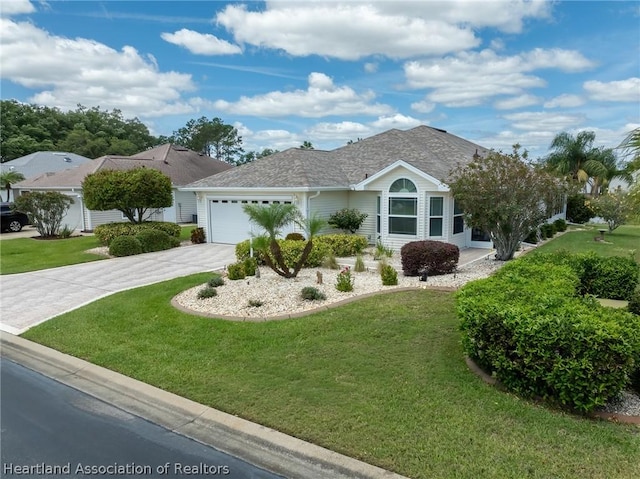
(344, 131)
(370, 67)
(507, 16)
(201, 43)
(321, 98)
(423, 106)
(544, 121)
(623, 90)
(16, 7)
(565, 101)
(122, 79)
(516, 102)
(470, 78)
(347, 31)
(398, 121)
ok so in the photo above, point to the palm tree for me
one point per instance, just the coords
(8, 178)
(631, 148)
(612, 170)
(575, 157)
(272, 219)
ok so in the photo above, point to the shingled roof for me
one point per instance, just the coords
(180, 164)
(431, 150)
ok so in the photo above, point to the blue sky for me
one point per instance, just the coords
(494, 72)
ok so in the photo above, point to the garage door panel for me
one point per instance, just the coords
(230, 224)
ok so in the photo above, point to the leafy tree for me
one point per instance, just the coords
(253, 155)
(306, 145)
(45, 209)
(211, 137)
(613, 207)
(347, 219)
(575, 157)
(8, 178)
(86, 131)
(272, 219)
(132, 192)
(504, 196)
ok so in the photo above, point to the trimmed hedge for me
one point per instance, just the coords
(343, 245)
(125, 246)
(156, 240)
(614, 277)
(529, 327)
(436, 257)
(107, 232)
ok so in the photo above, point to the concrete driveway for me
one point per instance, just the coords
(28, 299)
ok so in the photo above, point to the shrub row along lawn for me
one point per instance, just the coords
(382, 380)
(621, 242)
(27, 254)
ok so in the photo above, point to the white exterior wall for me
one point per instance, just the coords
(327, 203)
(365, 202)
(185, 204)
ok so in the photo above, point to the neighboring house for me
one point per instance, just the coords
(39, 163)
(180, 164)
(396, 177)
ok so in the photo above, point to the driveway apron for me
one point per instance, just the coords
(28, 299)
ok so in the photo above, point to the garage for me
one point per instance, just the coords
(230, 224)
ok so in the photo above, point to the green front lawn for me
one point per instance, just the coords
(382, 380)
(621, 242)
(28, 254)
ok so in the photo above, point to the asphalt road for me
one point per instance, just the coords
(45, 424)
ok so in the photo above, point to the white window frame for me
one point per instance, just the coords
(435, 217)
(404, 194)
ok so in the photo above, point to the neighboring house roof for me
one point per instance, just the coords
(180, 164)
(42, 162)
(428, 149)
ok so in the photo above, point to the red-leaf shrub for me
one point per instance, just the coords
(436, 257)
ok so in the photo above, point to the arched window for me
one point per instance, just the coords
(403, 208)
(403, 185)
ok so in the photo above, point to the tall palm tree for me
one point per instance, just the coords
(613, 169)
(630, 147)
(575, 157)
(272, 219)
(8, 178)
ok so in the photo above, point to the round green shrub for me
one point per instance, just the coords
(125, 246)
(389, 275)
(436, 257)
(154, 240)
(250, 265)
(310, 293)
(295, 237)
(235, 271)
(216, 281)
(207, 292)
(577, 210)
(560, 224)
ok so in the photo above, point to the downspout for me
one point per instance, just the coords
(309, 202)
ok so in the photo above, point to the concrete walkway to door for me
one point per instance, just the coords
(28, 299)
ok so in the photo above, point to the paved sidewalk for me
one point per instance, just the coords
(28, 299)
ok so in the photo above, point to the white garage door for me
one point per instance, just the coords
(230, 224)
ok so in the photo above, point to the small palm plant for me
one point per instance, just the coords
(272, 219)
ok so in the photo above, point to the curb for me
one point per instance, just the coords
(259, 445)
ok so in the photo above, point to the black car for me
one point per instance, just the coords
(12, 220)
